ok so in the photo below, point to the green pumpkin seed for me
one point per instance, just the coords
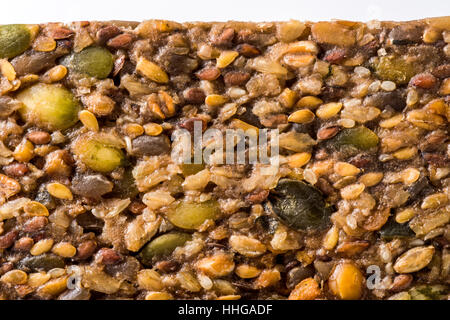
(49, 106)
(14, 39)
(93, 61)
(98, 154)
(360, 138)
(189, 215)
(163, 246)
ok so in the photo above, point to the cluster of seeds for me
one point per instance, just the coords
(95, 205)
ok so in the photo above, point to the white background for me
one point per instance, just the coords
(34, 11)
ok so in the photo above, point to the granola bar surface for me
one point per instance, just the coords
(95, 205)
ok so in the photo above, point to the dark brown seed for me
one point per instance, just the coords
(8, 239)
(59, 33)
(209, 73)
(23, 244)
(273, 120)
(248, 50)
(106, 33)
(350, 249)
(118, 64)
(423, 80)
(335, 55)
(15, 169)
(121, 41)
(108, 256)
(327, 133)
(401, 282)
(86, 249)
(225, 39)
(92, 186)
(297, 274)
(436, 159)
(35, 224)
(137, 207)
(39, 137)
(433, 140)
(194, 95)
(361, 161)
(7, 266)
(151, 146)
(257, 196)
(167, 266)
(443, 71)
(321, 154)
(236, 78)
(189, 124)
(324, 186)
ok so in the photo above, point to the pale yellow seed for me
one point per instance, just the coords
(301, 116)
(59, 191)
(53, 287)
(44, 44)
(434, 201)
(303, 47)
(405, 153)
(409, 175)
(445, 87)
(422, 118)
(56, 73)
(149, 280)
(56, 272)
(153, 129)
(299, 159)
(24, 151)
(247, 128)
(431, 35)
(304, 257)
(391, 122)
(371, 179)
(89, 120)
(437, 106)
(37, 279)
(287, 98)
(331, 238)
(29, 78)
(310, 102)
(215, 100)
(133, 130)
(346, 169)
(405, 215)
(346, 123)
(42, 246)
(352, 191)
(151, 71)
(158, 296)
(34, 208)
(246, 271)
(328, 110)
(310, 176)
(229, 297)
(14, 277)
(226, 58)
(7, 70)
(64, 249)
